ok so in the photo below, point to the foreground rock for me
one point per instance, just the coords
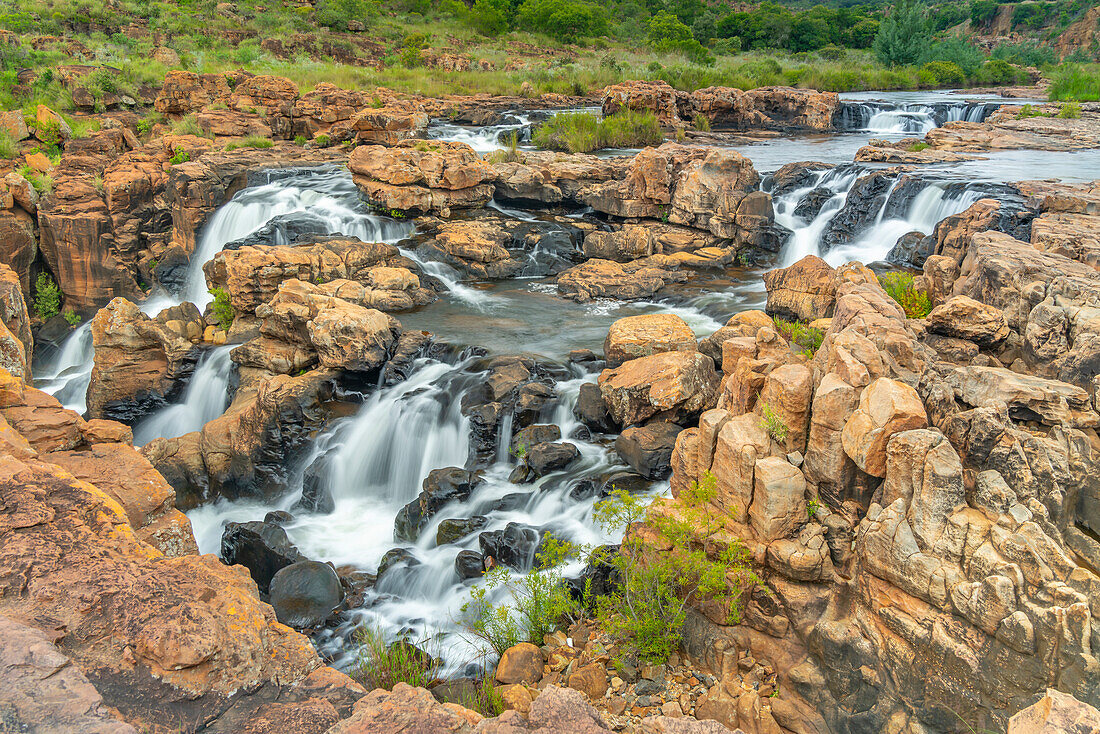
(422, 176)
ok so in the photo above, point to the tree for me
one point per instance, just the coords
(903, 37)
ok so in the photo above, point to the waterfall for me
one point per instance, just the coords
(67, 377)
(936, 201)
(482, 139)
(206, 398)
(916, 118)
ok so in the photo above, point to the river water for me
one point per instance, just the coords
(373, 461)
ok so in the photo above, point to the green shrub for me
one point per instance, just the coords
(42, 182)
(179, 156)
(946, 73)
(647, 608)
(812, 507)
(568, 21)
(807, 338)
(300, 140)
(726, 46)
(1029, 110)
(47, 297)
(667, 33)
(983, 11)
(773, 424)
(541, 603)
(918, 146)
(997, 71)
(72, 317)
(486, 699)
(900, 287)
(382, 665)
(580, 132)
(322, 141)
(336, 13)
(955, 50)
(223, 308)
(701, 123)
(251, 141)
(1070, 111)
(190, 126)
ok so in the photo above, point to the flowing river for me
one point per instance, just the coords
(373, 461)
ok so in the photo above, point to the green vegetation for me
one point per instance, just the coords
(580, 132)
(902, 37)
(509, 154)
(812, 507)
(1076, 83)
(646, 611)
(1029, 110)
(251, 141)
(701, 123)
(540, 601)
(71, 317)
(773, 424)
(918, 146)
(485, 699)
(190, 126)
(223, 308)
(1070, 111)
(8, 148)
(807, 338)
(179, 156)
(47, 297)
(382, 665)
(899, 286)
(42, 182)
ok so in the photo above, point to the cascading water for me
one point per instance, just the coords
(916, 118)
(67, 377)
(483, 139)
(373, 463)
(935, 201)
(204, 399)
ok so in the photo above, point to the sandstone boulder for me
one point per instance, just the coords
(520, 663)
(1028, 397)
(672, 385)
(640, 336)
(636, 280)
(886, 407)
(778, 499)
(964, 318)
(803, 292)
(422, 176)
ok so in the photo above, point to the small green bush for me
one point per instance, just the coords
(647, 609)
(701, 123)
(918, 147)
(223, 308)
(812, 507)
(580, 132)
(1070, 111)
(47, 297)
(900, 287)
(180, 156)
(946, 73)
(773, 424)
(190, 126)
(42, 182)
(72, 317)
(322, 141)
(807, 338)
(1029, 110)
(382, 665)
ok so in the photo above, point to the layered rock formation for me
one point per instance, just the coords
(422, 176)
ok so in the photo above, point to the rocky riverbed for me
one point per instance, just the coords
(385, 354)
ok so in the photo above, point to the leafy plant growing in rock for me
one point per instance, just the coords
(1029, 110)
(540, 601)
(1070, 111)
(42, 182)
(918, 147)
(648, 606)
(807, 338)
(47, 297)
(190, 126)
(899, 286)
(812, 506)
(72, 318)
(384, 665)
(773, 424)
(179, 156)
(701, 123)
(223, 308)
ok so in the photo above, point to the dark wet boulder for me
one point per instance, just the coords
(409, 346)
(279, 517)
(394, 560)
(304, 594)
(584, 489)
(544, 458)
(533, 434)
(261, 547)
(599, 575)
(453, 529)
(581, 433)
(515, 546)
(810, 205)
(509, 503)
(316, 496)
(441, 486)
(531, 400)
(648, 449)
(865, 200)
(409, 522)
(469, 564)
(912, 249)
(586, 358)
(591, 410)
(624, 481)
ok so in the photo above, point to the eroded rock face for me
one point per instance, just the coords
(641, 336)
(140, 362)
(803, 292)
(422, 176)
(641, 278)
(671, 385)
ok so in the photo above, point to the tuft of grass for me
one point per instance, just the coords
(1028, 111)
(807, 338)
(899, 286)
(8, 148)
(701, 123)
(486, 699)
(918, 147)
(510, 153)
(190, 126)
(384, 665)
(773, 424)
(252, 141)
(42, 182)
(1076, 84)
(580, 132)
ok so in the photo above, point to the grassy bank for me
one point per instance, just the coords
(579, 132)
(1077, 84)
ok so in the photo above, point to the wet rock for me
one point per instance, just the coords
(624, 481)
(635, 280)
(520, 663)
(263, 548)
(544, 458)
(535, 434)
(591, 410)
(304, 594)
(648, 449)
(671, 386)
(394, 558)
(439, 488)
(452, 530)
(640, 336)
(515, 546)
(912, 249)
(316, 496)
(422, 176)
(382, 126)
(469, 564)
